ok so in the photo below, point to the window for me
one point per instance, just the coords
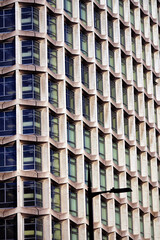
(136, 102)
(127, 157)
(111, 59)
(104, 219)
(150, 197)
(71, 134)
(137, 132)
(97, 20)
(99, 82)
(30, 18)
(152, 227)
(123, 66)
(145, 80)
(83, 12)
(87, 140)
(72, 173)
(31, 86)
(54, 163)
(30, 52)
(122, 37)
(130, 221)
(100, 113)
(114, 120)
(8, 228)
(142, 24)
(54, 127)
(86, 107)
(7, 88)
(146, 108)
(31, 121)
(141, 225)
(7, 20)
(52, 3)
(87, 205)
(117, 216)
(84, 43)
(8, 194)
(121, 8)
(70, 100)
(32, 157)
(109, 4)
(84, 75)
(101, 142)
(138, 162)
(133, 44)
(52, 59)
(32, 192)
(73, 232)
(87, 167)
(126, 126)
(68, 7)
(73, 203)
(104, 236)
(150, 7)
(151, 33)
(140, 193)
(7, 54)
(69, 67)
(52, 26)
(56, 230)
(33, 228)
(115, 152)
(147, 137)
(125, 97)
(116, 181)
(8, 123)
(143, 52)
(98, 51)
(132, 16)
(53, 93)
(68, 35)
(7, 158)
(55, 198)
(102, 179)
(110, 28)
(129, 194)
(113, 89)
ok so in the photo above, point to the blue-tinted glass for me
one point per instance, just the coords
(7, 123)
(8, 228)
(8, 194)
(7, 54)
(52, 59)
(32, 158)
(69, 70)
(31, 86)
(30, 19)
(7, 20)
(7, 88)
(30, 52)
(31, 121)
(7, 158)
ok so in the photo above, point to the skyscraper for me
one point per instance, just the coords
(79, 92)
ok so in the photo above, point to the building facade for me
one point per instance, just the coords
(79, 92)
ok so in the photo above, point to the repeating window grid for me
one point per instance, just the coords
(8, 228)
(122, 37)
(52, 3)
(32, 157)
(132, 17)
(126, 126)
(55, 198)
(87, 167)
(145, 80)
(129, 194)
(97, 20)
(147, 137)
(100, 113)
(56, 230)
(68, 7)
(111, 59)
(99, 82)
(31, 52)
(121, 8)
(115, 152)
(8, 123)
(127, 157)
(86, 107)
(98, 51)
(130, 221)
(140, 193)
(104, 217)
(83, 12)
(68, 35)
(8, 158)
(52, 26)
(113, 89)
(136, 105)
(53, 93)
(71, 134)
(125, 96)
(104, 236)
(101, 142)
(7, 54)
(30, 86)
(137, 132)
(152, 227)
(143, 52)
(73, 232)
(52, 60)
(87, 140)
(8, 197)
(7, 20)
(33, 228)
(72, 168)
(116, 181)
(69, 67)
(110, 29)
(142, 24)
(31, 121)
(7, 88)
(114, 120)
(84, 75)
(141, 225)
(150, 198)
(138, 162)
(55, 162)
(54, 127)
(87, 205)
(135, 73)
(133, 38)
(84, 43)
(32, 192)
(123, 66)
(117, 216)
(70, 105)
(73, 205)
(109, 4)
(102, 179)
(30, 18)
